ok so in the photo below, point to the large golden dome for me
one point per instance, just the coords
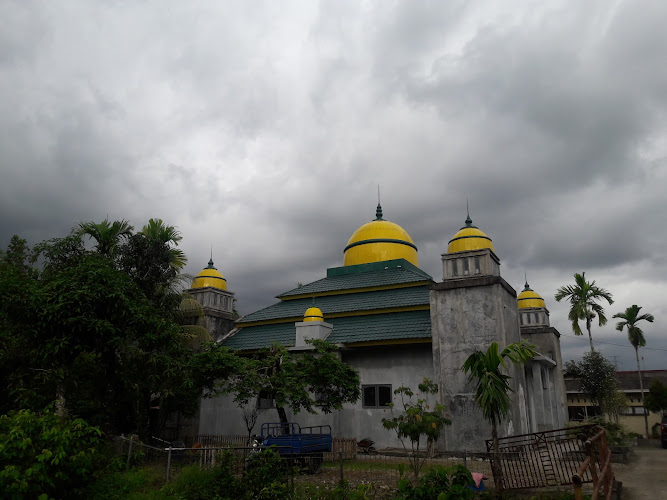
(209, 276)
(380, 240)
(528, 298)
(469, 238)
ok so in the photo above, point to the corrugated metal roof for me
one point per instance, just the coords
(347, 330)
(364, 276)
(335, 304)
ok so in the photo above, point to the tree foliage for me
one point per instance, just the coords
(492, 389)
(596, 377)
(417, 420)
(656, 399)
(45, 456)
(630, 319)
(99, 332)
(300, 381)
(584, 297)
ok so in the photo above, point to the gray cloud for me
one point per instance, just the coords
(264, 130)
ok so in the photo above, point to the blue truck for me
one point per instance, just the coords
(305, 446)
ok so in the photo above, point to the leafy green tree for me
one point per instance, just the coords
(107, 235)
(656, 399)
(596, 377)
(101, 342)
(45, 456)
(417, 420)
(162, 234)
(308, 380)
(583, 297)
(630, 319)
(492, 389)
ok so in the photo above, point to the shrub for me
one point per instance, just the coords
(443, 483)
(42, 455)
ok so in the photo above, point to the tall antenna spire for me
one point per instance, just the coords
(525, 276)
(378, 211)
(468, 219)
(210, 261)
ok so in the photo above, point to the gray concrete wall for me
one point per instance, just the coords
(468, 315)
(547, 342)
(395, 365)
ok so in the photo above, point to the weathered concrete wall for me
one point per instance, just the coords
(468, 315)
(547, 342)
(395, 365)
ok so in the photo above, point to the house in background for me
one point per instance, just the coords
(579, 407)
(396, 325)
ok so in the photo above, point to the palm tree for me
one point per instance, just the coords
(158, 232)
(583, 297)
(636, 337)
(492, 389)
(107, 235)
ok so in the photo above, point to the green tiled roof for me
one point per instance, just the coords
(351, 329)
(333, 304)
(391, 272)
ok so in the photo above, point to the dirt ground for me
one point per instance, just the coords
(645, 476)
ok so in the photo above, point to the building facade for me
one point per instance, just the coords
(396, 325)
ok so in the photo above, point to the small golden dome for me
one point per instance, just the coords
(209, 276)
(313, 314)
(379, 240)
(469, 238)
(528, 298)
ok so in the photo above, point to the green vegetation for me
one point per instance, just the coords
(656, 399)
(416, 420)
(596, 376)
(45, 456)
(309, 380)
(630, 319)
(443, 483)
(492, 387)
(583, 297)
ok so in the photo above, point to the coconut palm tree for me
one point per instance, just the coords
(107, 235)
(492, 387)
(158, 232)
(630, 319)
(584, 297)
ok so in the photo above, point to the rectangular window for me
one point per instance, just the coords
(265, 401)
(477, 268)
(455, 268)
(376, 396)
(466, 267)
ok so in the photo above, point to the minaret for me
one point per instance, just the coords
(470, 309)
(209, 288)
(544, 374)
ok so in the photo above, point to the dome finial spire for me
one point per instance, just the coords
(468, 219)
(210, 261)
(525, 277)
(378, 211)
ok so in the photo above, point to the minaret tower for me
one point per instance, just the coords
(209, 288)
(471, 308)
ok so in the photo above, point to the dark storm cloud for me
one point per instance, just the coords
(263, 130)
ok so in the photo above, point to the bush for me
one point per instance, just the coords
(42, 455)
(443, 483)
(616, 434)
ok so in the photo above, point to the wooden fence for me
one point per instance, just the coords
(347, 445)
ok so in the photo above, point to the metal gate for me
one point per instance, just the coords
(542, 459)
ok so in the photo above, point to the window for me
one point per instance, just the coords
(455, 268)
(466, 267)
(265, 401)
(376, 396)
(477, 268)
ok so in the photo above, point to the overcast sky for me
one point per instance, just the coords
(263, 129)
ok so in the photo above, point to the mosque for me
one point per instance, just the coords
(395, 324)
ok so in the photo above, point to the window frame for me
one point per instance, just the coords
(376, 396)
